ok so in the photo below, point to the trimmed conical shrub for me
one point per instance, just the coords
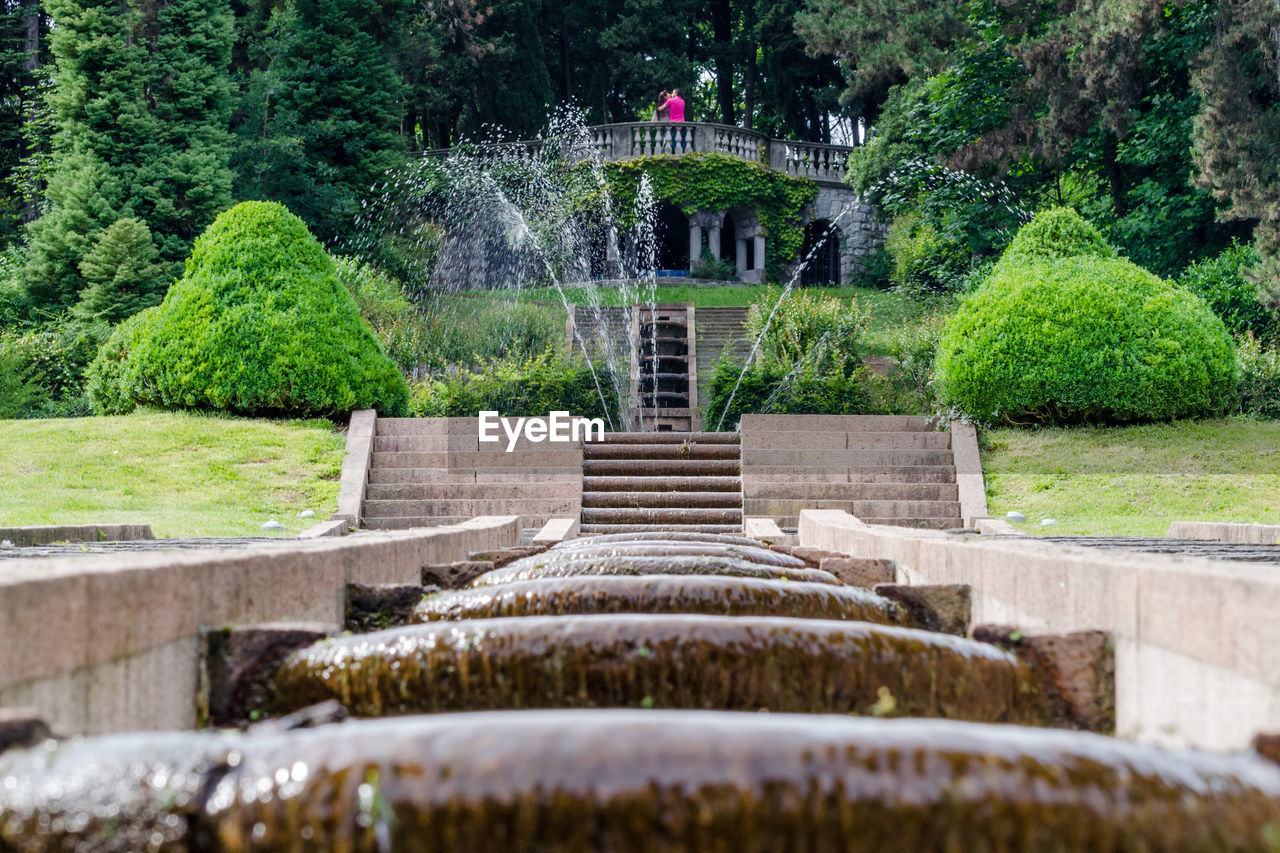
(1055, 234)
(259, 324)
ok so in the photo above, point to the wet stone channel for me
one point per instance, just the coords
(643, 693)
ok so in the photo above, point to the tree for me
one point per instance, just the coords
(141, 105)
(321, 118)
(123, 274)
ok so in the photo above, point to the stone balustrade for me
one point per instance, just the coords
(823, 164)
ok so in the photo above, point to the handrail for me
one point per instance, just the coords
(819, 162)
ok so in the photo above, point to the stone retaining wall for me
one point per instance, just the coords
(1197, 641)
(100, 644)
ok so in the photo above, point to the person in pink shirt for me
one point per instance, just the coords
(674, 105)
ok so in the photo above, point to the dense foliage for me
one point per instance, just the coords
(1054, 234)
(529, 387)
(259, 324)
(1084, 340)
(1223, 282)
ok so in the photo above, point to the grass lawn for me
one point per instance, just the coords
(184, 474)
(1135, 480)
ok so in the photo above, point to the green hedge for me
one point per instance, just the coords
(530, 387)
(259, 324)
(1054, 234)
(1223, 283)
(1084, 340)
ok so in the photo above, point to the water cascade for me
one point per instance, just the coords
(649, 739)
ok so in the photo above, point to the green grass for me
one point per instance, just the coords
(184, 474)
(1135, 480)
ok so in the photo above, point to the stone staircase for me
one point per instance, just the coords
(643, 481)
(664, 387)
(882, 469)
(720, 329)
(427, 472)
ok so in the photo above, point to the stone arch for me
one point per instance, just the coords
(822, 249)
(671, 234)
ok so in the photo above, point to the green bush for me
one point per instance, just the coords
(56, 356)
(1259, 378)
(1084, 340)
(1222, 282)
(19, 391)
(113, 375)
(519, 388)
(768, 387)
(1056, 233)
(713, 268)
(806, 327)
(472, 332)
(258, 324)
(924, 260)
(909, 389)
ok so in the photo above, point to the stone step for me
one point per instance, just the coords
(407, 523)
(470, 507)
(838, 423)
(436, 491)
(553, 457)
(845, 458)
(515, 474)
(662, 484)
(917, 523)
(668, 438)
(692, 450)
(774, 507)
(706, 500)
(853, 491)
(602, 529)
(659, 467)
(850, 474)
(902, 440)
(661, 516)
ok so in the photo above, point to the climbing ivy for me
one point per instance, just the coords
(694, 182)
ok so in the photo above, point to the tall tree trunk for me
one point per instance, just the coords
(1115, 174)
(31, 63)
(749, 90)
(722, 32)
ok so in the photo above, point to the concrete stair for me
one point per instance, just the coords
(662, 481)
(720, 329)
(883, 469)
(427, 472)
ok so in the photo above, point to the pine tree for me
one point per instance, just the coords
(122, 273)
(141, 108)
(322, 113)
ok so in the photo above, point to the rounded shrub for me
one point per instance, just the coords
(1084, 340)
(1056, 233)
(259, 323)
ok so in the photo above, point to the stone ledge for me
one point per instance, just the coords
(108, 643)
(1226, 531)
(46, 534)
(1197, 642)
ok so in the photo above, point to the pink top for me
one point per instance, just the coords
(676, 104)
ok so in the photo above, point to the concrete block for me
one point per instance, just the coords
(238, 662)
(558, 530)
(968, 462)
(355, 464)
(502, 557)
(1077, 669)
(1247, 534)
(372, 607)
(865, 572)
(340, 526)
(455, 575)
(764, 529)
(831, 423)
(44, 534)
(946, 608)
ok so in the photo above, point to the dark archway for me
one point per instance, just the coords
(671, 233)
(822, 248)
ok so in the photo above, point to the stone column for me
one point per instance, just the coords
(695, 243)
(713, 237)
(740, 259)
(759, 259)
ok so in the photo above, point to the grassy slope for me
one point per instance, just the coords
(1135, 480)
(184, 474)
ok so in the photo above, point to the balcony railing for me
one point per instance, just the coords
(824, 164)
